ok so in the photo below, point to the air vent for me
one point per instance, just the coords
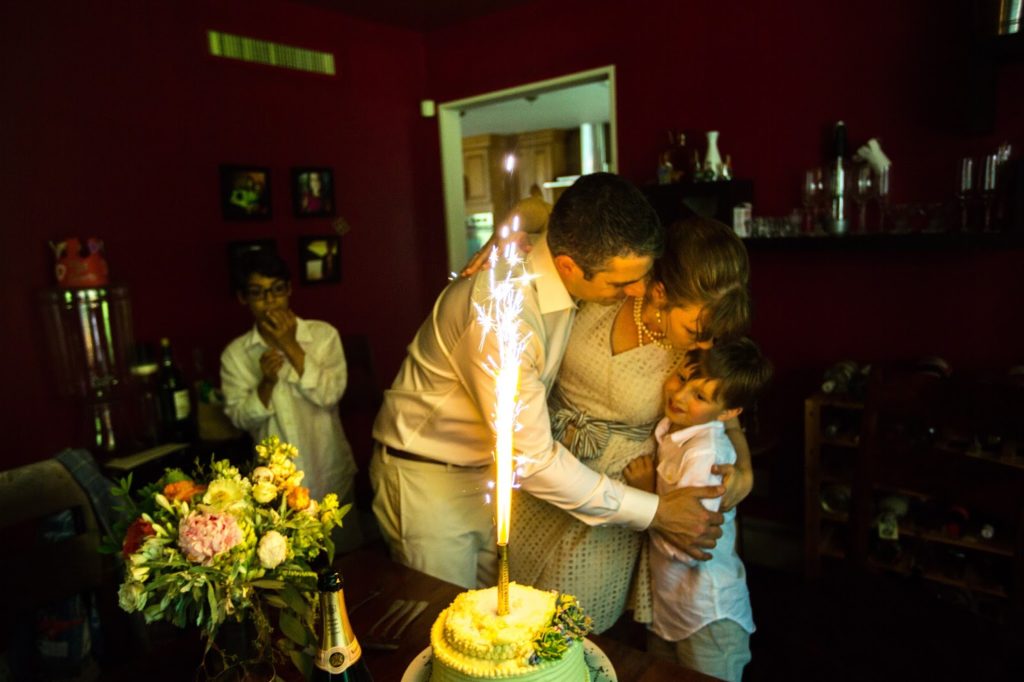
(271, 54)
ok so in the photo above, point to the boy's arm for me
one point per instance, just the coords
(738, 478)
(325, 374)
(242, 402)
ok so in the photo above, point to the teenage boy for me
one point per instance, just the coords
(284, 377)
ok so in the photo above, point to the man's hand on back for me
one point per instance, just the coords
(684, 522)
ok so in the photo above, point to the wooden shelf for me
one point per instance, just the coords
(932, 475)
(904, 566)
(841, 441)
(917, 241)
(835, 517)
(1014, 461)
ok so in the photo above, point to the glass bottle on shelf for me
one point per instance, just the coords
(339, 656)
(713, 159)
(177, 416)
(837, 220)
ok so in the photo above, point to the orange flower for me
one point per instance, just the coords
(182, 491)
(298, 498)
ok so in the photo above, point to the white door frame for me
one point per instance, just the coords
(450, 128)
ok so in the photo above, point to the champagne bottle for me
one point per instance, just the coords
(837, 221)
(339, 657)
(173, 400)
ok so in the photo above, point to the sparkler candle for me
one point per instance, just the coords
(500, 316)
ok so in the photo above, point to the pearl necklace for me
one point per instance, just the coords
(643, 331)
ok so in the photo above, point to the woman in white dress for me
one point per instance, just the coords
(607, 401)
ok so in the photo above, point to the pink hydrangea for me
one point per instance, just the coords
(202, 535)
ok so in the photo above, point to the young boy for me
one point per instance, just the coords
(284, 377)
(702, 616)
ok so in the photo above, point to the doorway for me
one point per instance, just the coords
(583, 101)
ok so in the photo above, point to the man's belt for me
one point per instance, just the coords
(413, 457)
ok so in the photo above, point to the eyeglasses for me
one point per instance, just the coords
(277, 290)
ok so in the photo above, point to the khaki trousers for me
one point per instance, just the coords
(435, 518)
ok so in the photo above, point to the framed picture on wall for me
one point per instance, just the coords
(319, 259)
(237, 251)
(244, 192)
(313, 192)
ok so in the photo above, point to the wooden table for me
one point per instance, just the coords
(366, 571)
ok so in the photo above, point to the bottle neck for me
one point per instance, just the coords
(339, 648)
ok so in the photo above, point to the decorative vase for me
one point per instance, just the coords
(713, 160)
(235, 655)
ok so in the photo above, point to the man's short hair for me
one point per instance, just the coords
(738, 366)
(262, 262)
(602, 216)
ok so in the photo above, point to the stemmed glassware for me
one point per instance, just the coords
(988, 189)
(965, 191)
(882, 186)
(862, 195)
(813, 192)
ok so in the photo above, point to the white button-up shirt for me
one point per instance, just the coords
(303, 410)
(689, 594)
(440, 405)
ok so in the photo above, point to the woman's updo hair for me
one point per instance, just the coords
(706, 264)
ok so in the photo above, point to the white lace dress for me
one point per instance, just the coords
(603, 408)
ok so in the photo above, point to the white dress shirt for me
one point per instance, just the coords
(303, 410)
(689, 594)
(441, 403)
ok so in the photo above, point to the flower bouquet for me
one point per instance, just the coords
(217, 547)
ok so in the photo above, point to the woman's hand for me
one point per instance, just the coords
(532, 213)
(739, 479)
(481, 259)
(639, 473)
(738, 483)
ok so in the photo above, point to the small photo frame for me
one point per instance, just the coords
(245, 192)
(313, 192)
(238, 249)
(320, 259)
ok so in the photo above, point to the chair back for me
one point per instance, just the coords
(39, 572)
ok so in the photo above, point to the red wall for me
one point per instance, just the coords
(772, 78)
(114, 123)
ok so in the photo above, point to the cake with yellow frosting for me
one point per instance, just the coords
(539, 640)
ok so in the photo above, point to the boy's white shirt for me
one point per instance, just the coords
(689, 594)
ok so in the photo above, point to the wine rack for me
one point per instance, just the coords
(924, 479)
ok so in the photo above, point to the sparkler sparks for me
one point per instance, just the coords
(500, 315)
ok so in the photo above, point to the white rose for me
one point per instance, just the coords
(261, 474)
(131, 596)
(272, 550)
(264, 491)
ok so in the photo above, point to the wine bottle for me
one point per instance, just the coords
(339, 657)
(177, 421)
(837, 221)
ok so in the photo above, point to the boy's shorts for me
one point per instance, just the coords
(720, 649)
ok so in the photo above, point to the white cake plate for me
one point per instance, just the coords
(600, 667)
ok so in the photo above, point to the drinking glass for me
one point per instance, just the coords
(988, 189)
(861, 196)
(882, 185)
(965, 191)
(813, 192)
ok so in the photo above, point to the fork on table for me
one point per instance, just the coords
(387, 632)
